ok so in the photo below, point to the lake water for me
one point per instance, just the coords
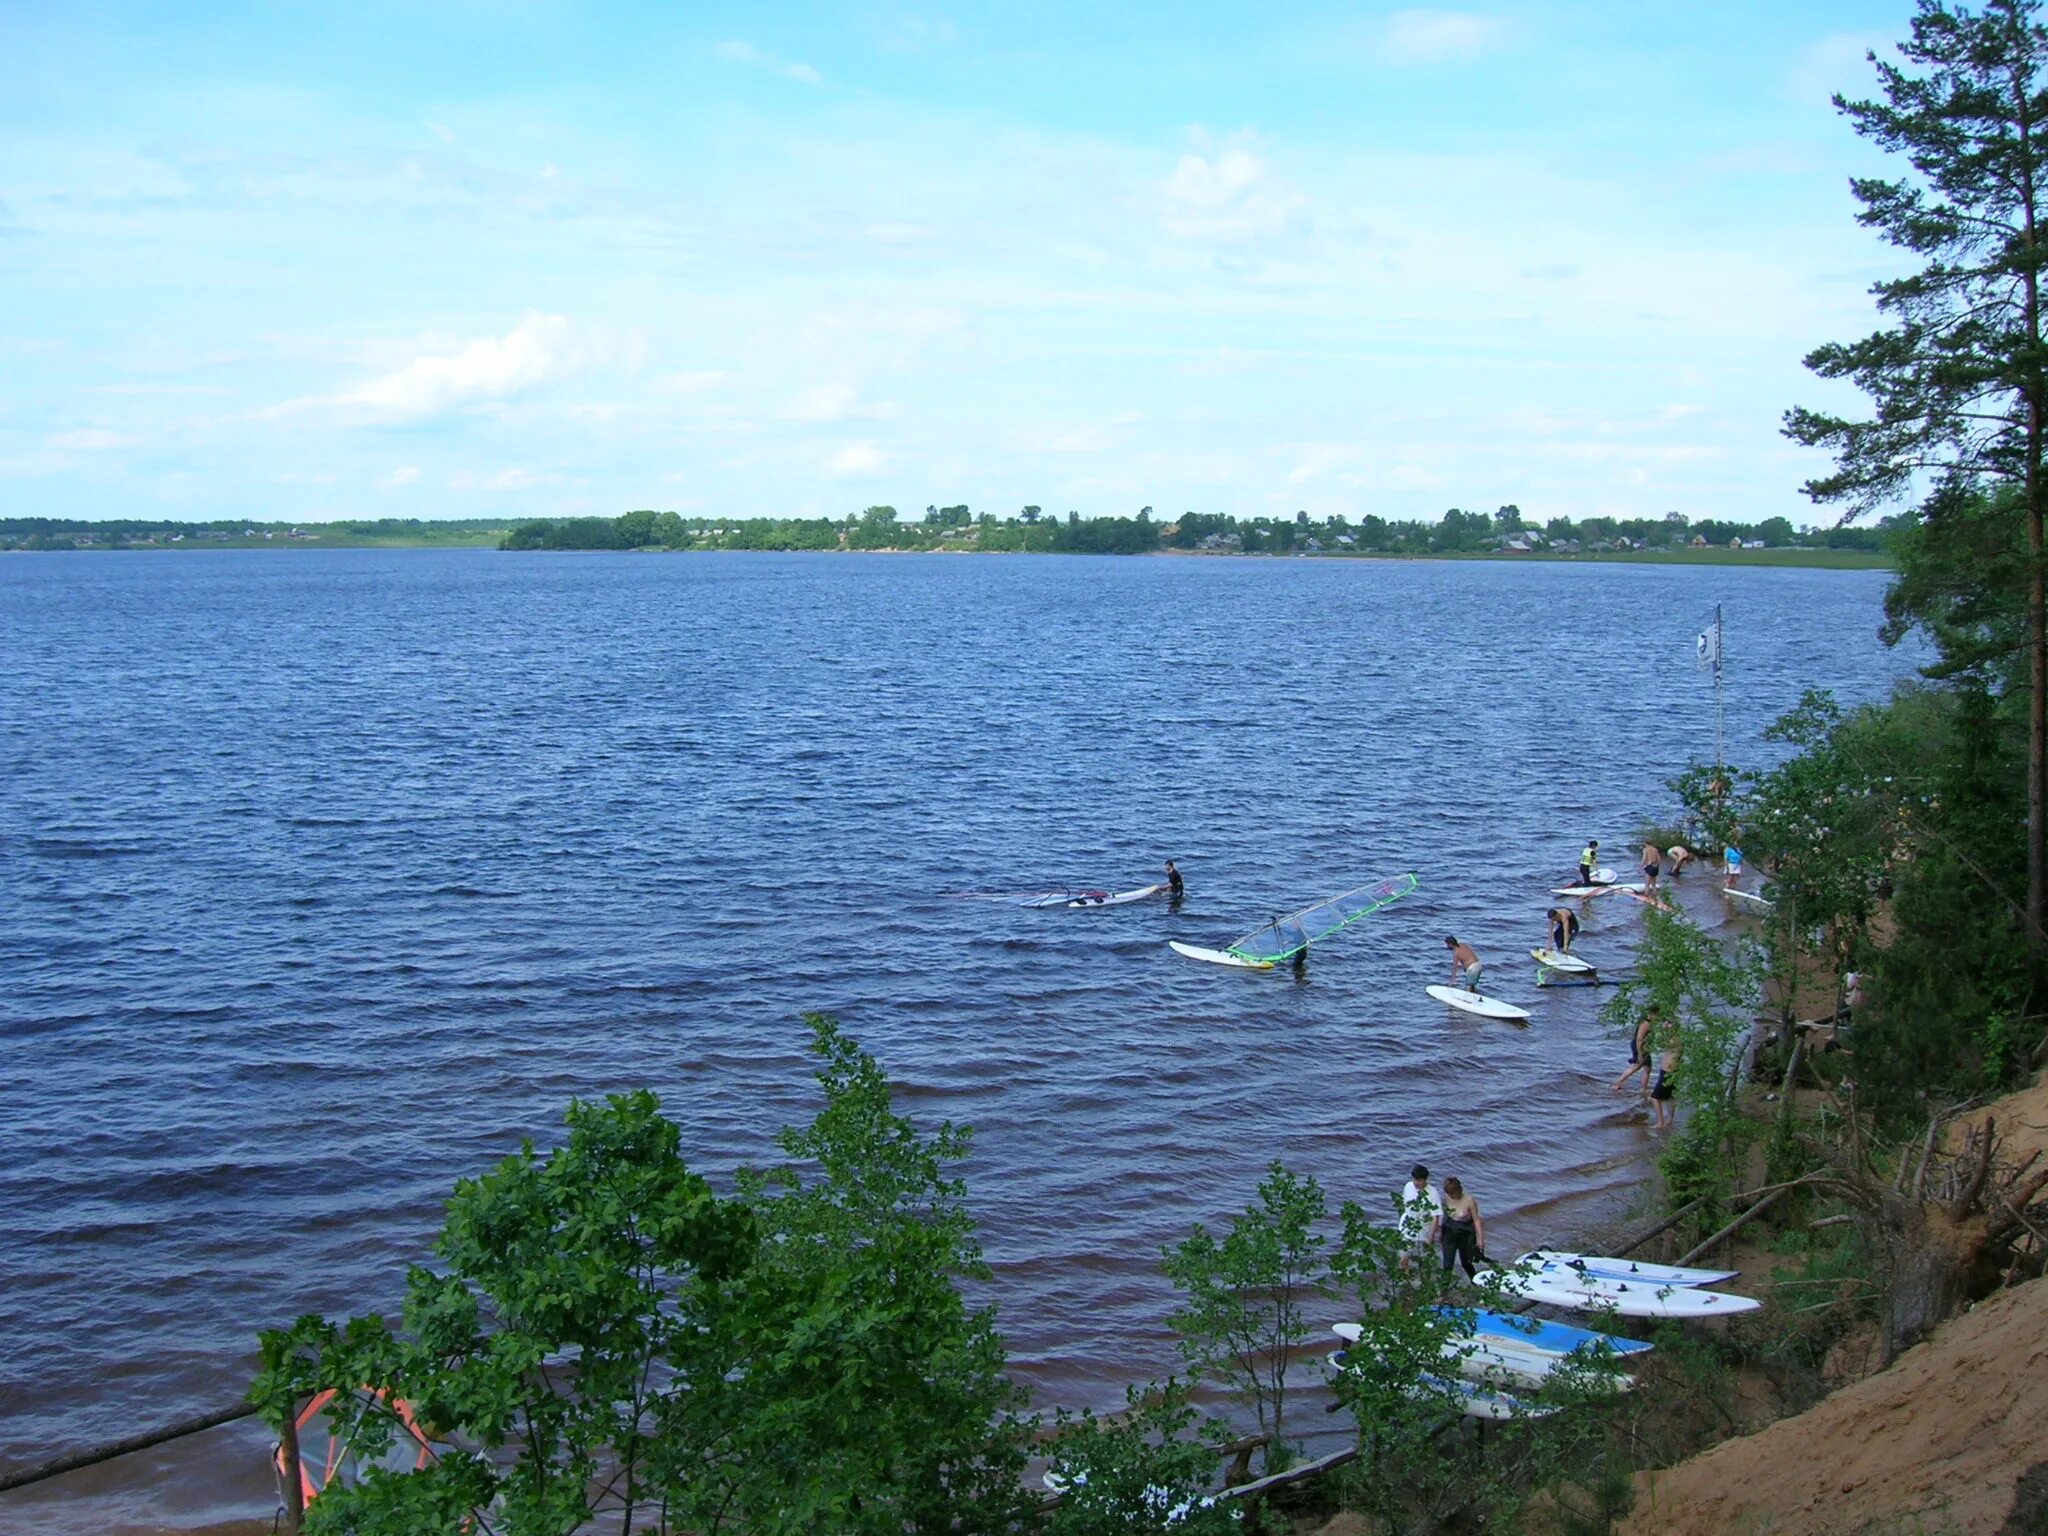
(325, 877)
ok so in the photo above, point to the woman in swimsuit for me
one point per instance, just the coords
(1461, 1230)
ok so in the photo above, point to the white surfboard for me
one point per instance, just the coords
(1476, 1002)
(1595, 890)
(1474, 1400)
(1497, 1362)
(1558, 960)
(1748, 898)
(1112, 898)
(1559, 1286)
(1217, 956)
(1629, 1269)
(1603, 876)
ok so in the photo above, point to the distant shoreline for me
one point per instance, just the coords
(1786, 558)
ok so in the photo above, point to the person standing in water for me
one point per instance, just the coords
(1732, 860)
(1461, 1230)
(1680, 856)
(1420, 1206)
(1639, 1051)
(1652, 867)
(1465, 968)
(1588, 857)
(1666, 1084)
(1175, 886)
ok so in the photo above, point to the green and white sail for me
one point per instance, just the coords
(1282, 938)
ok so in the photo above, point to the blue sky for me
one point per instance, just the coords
(303, 262)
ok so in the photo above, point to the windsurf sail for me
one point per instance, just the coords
(1283, 937)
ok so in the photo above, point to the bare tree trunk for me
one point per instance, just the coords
(1932, 1261)
(2037, 573)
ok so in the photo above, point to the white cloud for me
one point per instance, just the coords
(1318, 462)
(1432, 37)
(89, 440)
(1096, 437)
(857, 460)
(488, 369)
(155, 389)
(736, 51)
(1231, 196)
(503, 480)
(835, 402)
(441, 131)
(689, 383)
(399, 478)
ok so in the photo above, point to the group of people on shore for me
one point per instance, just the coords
(1449, 1223)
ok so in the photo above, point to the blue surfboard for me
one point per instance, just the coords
(1551, 1338)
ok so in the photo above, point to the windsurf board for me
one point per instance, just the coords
(1217, 956)
(1113, 898)
(1558, 960)
(1629, 1269)
(1558, 1286)
(1525, 1332)
(1475, 1002)
(1748, 898)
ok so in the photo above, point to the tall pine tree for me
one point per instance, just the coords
(1959, 373)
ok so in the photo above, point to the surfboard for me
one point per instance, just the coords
(1502, 1362)
(1558, 960)
(1558, 1286)
(1629, 1269)
(1216, 956)
(1749, 898)
(1112, 898)
(1603, 876)
(1549, 1337)
(1595, 890)
(1474, 1400)
(1476, 1002)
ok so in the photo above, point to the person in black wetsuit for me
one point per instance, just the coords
(1175, 886)
(1461, 1230)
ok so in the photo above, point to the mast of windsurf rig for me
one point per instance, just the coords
(1717, 690)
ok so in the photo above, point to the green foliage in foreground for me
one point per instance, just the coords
(1701, 999)
(606, 1336)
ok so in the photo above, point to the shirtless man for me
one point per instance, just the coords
(1465, 966)
(1564, 927)
(1680, 856)
(1652, 867)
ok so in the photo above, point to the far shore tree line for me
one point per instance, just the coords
(1032, 530)
(60, 533)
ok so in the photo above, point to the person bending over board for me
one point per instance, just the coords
(1420, 1206)
(1588, 857)
(1175, 886)
(1564, 927)
(1464, 964)
(1461, 1230)
(1680, 856)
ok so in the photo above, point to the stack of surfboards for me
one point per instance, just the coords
(1504, 1351)
(1587, 1283)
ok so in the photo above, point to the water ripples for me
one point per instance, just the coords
(329, 876)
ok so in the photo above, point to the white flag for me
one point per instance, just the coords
(1708, 646)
